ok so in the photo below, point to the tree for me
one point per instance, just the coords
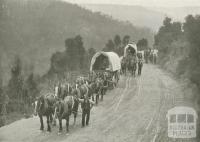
(179, 47)
(1, 79)
(81, 51)
(142, 44)
(125, 40)
(167, 34)
(88, 57)
(30, 89)
(15, 85)
(3, 100)
(72, 54)
(91, 52)
(117, 41)
(167, 22)
(1, 91)
(192, 33)
(110, 46)
(76, 53)
(58, 63)
(73, 58)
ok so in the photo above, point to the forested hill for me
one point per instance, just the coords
(137, 15)
(151, 17)
(35, 29)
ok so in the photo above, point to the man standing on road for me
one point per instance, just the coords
(86, 107)
(140, 64)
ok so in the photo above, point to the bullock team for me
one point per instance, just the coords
(67, 97)
(85, 92)
(133, 59)
(131, 63)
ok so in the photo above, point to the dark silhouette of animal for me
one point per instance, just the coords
(63, 90)
(98, 90)
(63, 109)
(44, 106)
(132, 65)
(140, 65)
(123, 66)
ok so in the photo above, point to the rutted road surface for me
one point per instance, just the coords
(132, 112)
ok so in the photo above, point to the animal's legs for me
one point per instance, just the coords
(41, 123)
(48, 124)
(67, 123)
(60, 124)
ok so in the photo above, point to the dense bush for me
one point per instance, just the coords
(21, 89)
(192, 34)
(142, 44)
(74, 58)
(117, 44)
(179, 48)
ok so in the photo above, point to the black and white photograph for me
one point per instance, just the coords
(99, 70)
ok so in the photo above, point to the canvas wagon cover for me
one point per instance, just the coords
(130, 45)
(121, 58)
(114, 60)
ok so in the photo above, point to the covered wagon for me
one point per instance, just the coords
(121, 58)
(130, 49)
(106, 62)
(130, 58)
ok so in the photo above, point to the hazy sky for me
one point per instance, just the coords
(165, 3)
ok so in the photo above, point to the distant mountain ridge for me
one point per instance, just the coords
(137, 15)
(178, 13)
(151, 17)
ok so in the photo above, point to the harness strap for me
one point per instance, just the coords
(68, 87)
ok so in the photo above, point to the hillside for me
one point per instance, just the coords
(34, 29)
(178, 13)
(137, 15)
(150, 17)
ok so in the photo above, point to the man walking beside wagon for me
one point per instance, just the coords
(87, 104)
(140, 63)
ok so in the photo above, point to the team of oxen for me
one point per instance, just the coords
(133, 60)
(67, 97)
(85, 92)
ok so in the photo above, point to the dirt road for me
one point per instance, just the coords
(133, 112)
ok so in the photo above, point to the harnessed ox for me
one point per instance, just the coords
(63, 110)
(132, 65)
(44, 106)
(63, 90)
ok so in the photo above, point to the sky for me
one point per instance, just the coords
(149, 3)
